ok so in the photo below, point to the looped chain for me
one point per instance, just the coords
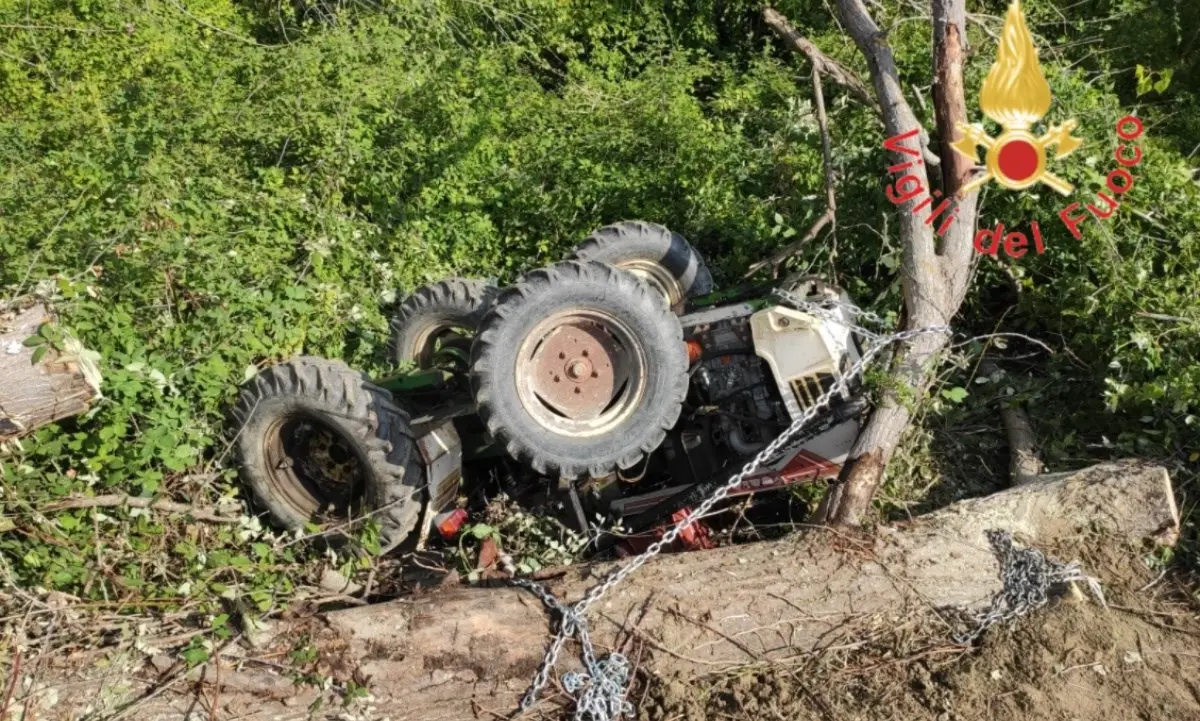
(600, 691)
(1028, 578)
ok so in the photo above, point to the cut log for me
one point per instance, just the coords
(468, 653)
(32, 395)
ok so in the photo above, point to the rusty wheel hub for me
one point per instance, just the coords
(581, 372)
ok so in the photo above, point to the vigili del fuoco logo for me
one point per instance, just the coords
(1016, 96)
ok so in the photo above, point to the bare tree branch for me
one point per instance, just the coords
(835, 71)
(822, 62)
(934, 280)
(123, 501)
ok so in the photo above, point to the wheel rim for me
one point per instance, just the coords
(581, 373)
(659, 278)
(428, 345)
(313, 468)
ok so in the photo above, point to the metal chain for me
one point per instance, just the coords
(600, 690)
(1027, 579)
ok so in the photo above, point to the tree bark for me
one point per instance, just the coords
(467, 653)
(935, 278)
(34, 394)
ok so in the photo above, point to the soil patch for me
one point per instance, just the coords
(1070, 661)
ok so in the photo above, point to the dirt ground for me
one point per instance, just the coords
(1070, 661)
(1135, 659)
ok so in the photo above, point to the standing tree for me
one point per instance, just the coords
(936, 271)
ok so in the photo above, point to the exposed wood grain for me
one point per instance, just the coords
(33, 395)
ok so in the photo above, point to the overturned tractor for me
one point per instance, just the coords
(615, 386)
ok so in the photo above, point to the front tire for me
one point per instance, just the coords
(579, 369)
(318, 443)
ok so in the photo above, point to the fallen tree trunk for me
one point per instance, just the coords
(468, 653)
(34, 394)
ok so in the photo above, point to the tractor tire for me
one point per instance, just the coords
(579, 369)
(659, 256)
(319, 443)
(433, 310)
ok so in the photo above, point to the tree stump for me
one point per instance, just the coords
(34, 394)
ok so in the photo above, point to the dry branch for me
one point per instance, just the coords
(835, 71)
(820, 61)
(461, 652)
(118, 500)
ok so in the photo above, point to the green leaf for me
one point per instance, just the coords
(37, 354)
(195, 655)
(955, 395)
(482, 530)
(34, 340)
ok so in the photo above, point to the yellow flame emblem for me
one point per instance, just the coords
(1016, 95)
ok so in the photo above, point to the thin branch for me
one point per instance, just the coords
(118, 500)
(1163, 316)
(822, 62)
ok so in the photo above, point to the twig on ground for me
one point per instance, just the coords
(740, 646)
(178, 672)
(14, 671)
(216, 699)
(342, 526)
(119, 500)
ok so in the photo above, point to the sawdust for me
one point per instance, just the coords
(1071, 661)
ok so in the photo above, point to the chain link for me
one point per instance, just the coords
(600, 691)
(1027, 578)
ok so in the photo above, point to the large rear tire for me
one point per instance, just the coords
(579, 369)
(659, 256)
(318, 443)
(432, 313)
